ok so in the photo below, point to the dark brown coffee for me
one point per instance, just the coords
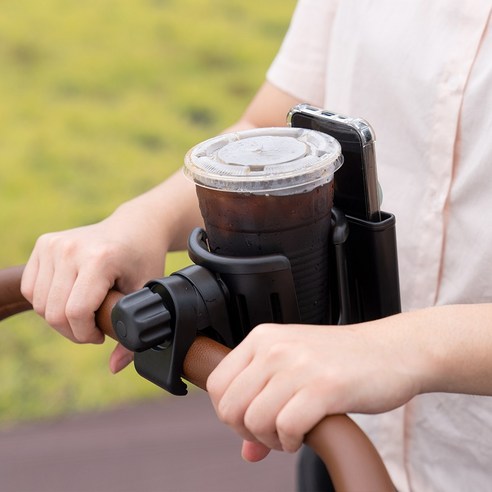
(297, 226)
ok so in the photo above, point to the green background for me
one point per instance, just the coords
(99, 101)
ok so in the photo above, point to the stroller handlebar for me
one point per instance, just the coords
(350, 457)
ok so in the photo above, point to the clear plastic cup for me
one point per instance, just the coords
(267, 191)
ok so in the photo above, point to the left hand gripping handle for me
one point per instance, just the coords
(13, 302)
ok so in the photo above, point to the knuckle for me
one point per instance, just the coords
(83, 330)
(227, 415)
(104, 255)
(55, 318)
(43, 239)
(212, 386)
(52, 240)
(285, 427)
(27, 291)
(277, 352)
(263, 330)
(290, 436)
(74, 312)
(39, 307)
(256, 424)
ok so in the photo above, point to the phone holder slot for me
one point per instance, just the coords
(367, 268)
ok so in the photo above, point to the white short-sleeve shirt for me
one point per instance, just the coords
(421, 73)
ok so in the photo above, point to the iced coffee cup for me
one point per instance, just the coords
(267, 191)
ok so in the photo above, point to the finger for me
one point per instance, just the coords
(88, 293)
(261, 415)
(29, 277)
(233, 364)
(298, 416)
(42, 285)
(120, 358)
(254, 451)
(222, 376)
(59, 292)
(237, 397)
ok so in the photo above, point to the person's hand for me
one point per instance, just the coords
(283, 379)
(70, 273)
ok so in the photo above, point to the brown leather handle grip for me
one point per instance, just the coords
(13, 302)
(11, 299)
(351, 459)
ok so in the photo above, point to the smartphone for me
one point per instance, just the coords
(357, 191)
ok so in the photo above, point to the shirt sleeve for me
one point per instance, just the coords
(300, 65)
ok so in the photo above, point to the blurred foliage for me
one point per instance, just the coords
(99, 101)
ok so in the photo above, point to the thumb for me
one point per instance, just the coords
(254, 451)
(119, 358)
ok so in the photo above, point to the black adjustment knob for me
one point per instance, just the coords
(141, 321)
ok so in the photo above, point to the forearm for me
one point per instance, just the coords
(171, 208)
(170, 211)
(448, 348)
(458, 340)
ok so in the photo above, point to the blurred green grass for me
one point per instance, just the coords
(99, 101)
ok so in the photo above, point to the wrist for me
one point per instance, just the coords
(404, 345)
(137, 218)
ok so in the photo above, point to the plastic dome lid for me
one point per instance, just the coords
(265, 161)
